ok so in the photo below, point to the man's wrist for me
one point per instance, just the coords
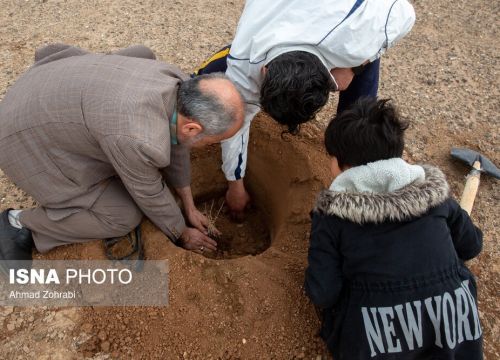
(235, 183)
(186, 197)
(189, 207)
(176, 236)
(175, 229)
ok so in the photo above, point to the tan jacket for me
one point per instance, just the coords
(74, 120)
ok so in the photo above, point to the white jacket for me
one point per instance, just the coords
(341, 33)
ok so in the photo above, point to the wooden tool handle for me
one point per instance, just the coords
(471, 186)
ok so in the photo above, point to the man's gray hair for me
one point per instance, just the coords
(205, 106)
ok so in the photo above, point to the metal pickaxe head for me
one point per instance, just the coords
(471, 156)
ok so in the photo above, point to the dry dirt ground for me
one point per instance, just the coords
(444, 77)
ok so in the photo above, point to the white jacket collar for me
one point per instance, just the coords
(378, 177)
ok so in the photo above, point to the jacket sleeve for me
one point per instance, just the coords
(400, 21)
(323, 280)
(467, 238)
(138, 163)
(178, 172)
(235, 149)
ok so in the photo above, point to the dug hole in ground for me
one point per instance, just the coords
(245, 301)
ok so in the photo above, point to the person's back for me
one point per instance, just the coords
(91, 91)
(75, 104)
(387, 249)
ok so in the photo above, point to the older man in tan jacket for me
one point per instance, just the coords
(96, 138)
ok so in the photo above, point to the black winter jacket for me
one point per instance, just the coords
(387, 271)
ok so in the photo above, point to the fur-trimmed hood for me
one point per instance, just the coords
(409, 202)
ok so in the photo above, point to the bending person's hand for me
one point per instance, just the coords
(193, 239)
(237, 199)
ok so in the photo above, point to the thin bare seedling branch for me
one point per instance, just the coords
(212, 219)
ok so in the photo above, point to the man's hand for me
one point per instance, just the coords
(195, 240)
(237, 199)
(197, 219)
(343, 77)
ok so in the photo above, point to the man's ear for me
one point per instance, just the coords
(263, 70)
(191, 129)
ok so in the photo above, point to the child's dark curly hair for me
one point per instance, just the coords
(368, 131)
(295, 87)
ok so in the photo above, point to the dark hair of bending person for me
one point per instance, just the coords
(296, 85)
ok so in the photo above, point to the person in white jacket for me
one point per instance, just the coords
(288, 55)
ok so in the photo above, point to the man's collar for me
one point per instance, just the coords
(173, 128)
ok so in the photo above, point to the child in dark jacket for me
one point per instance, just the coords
(387, 251)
